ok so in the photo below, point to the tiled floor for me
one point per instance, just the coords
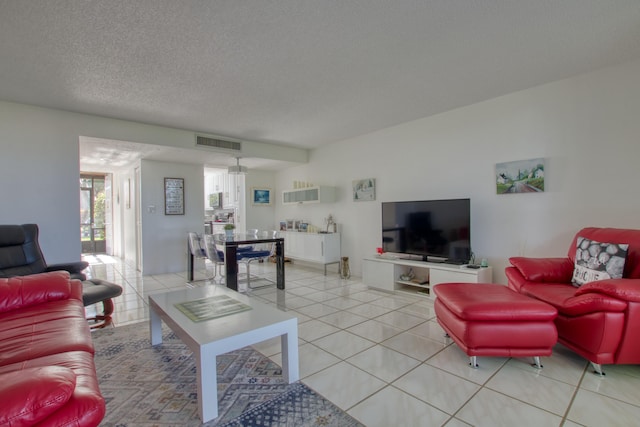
(383, 358)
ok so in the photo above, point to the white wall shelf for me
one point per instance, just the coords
(309, 195)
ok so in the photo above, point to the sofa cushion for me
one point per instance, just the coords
(618, 235)
(563, 297)
(51, 328)
(598, 261)
(557, 270)
(30, 395)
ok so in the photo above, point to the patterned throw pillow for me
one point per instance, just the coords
(598, 261)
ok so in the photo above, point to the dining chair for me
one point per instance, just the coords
(261, 252)
(214, 255)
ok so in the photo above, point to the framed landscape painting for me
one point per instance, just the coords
(522, 176)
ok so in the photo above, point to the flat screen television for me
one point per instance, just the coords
(436, 230)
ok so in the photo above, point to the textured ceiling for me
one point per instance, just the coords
(298, 72)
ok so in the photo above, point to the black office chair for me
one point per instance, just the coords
(20, 255)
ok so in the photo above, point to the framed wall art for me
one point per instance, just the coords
(261, 196)
(364, 190)
(174, 196)
(522, 176)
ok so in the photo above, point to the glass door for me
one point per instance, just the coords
(92, 213)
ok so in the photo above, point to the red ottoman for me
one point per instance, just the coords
(492, 320)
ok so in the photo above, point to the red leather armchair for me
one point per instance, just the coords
(598, 320)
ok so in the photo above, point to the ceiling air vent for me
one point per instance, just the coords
(207, 141)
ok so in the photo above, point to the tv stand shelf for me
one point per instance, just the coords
(384, 273)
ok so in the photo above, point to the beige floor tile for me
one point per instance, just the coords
(620, 382)
(343, 344)
(414, 346)
(384, 363)
(393, 407)
(455, 361)
(437, 387)
(593, 409)
(342, 319)
(400, 320)
(492, 409)
(374, 331)
(314, 329)
(533, 388)
(346, 384)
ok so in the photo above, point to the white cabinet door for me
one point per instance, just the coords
(379, 275)
(322, 248)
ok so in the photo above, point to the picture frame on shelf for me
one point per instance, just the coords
(283, 225)
(261, 196)
(289, 224)
(303, 227)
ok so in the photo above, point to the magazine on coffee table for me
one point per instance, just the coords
(211, 308)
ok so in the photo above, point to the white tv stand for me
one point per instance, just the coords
(383, 272)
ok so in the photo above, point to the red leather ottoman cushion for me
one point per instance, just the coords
(491, 302)
(492, 320)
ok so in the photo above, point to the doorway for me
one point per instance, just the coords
(93, 213)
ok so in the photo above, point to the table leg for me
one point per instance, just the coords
(289, 348)
(189, 263)
(280, 265)
(231, 264)
(207, 384)
(155, 327)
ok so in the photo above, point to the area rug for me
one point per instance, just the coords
(149, 386)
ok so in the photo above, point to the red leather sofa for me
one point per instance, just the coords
(47, 372)
(599, 320)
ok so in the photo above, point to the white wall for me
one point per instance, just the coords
(165, 236)
(39, 169)
(587, 129)
(260, 217)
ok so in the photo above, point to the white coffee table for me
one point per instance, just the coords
(207, 339)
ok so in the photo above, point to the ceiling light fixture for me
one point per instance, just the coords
(237, 169)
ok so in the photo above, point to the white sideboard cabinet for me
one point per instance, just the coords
(387, 274)
(312, 247)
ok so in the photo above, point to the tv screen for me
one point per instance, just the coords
(437, 230)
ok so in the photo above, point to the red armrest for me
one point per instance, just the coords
(554, 270)
(31, 395)
(24, 291)
(624, 289)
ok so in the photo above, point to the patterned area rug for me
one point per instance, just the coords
(156, 386)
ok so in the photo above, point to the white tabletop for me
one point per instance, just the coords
(207, 331)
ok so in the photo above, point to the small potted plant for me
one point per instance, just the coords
(228, 230)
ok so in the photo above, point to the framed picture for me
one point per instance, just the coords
(303, 227)
(174, 196)
(289, 224)
(283, 225)
(364, 190)
(215, 200)
(296, 224)
(522, 176)
(261, 196)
